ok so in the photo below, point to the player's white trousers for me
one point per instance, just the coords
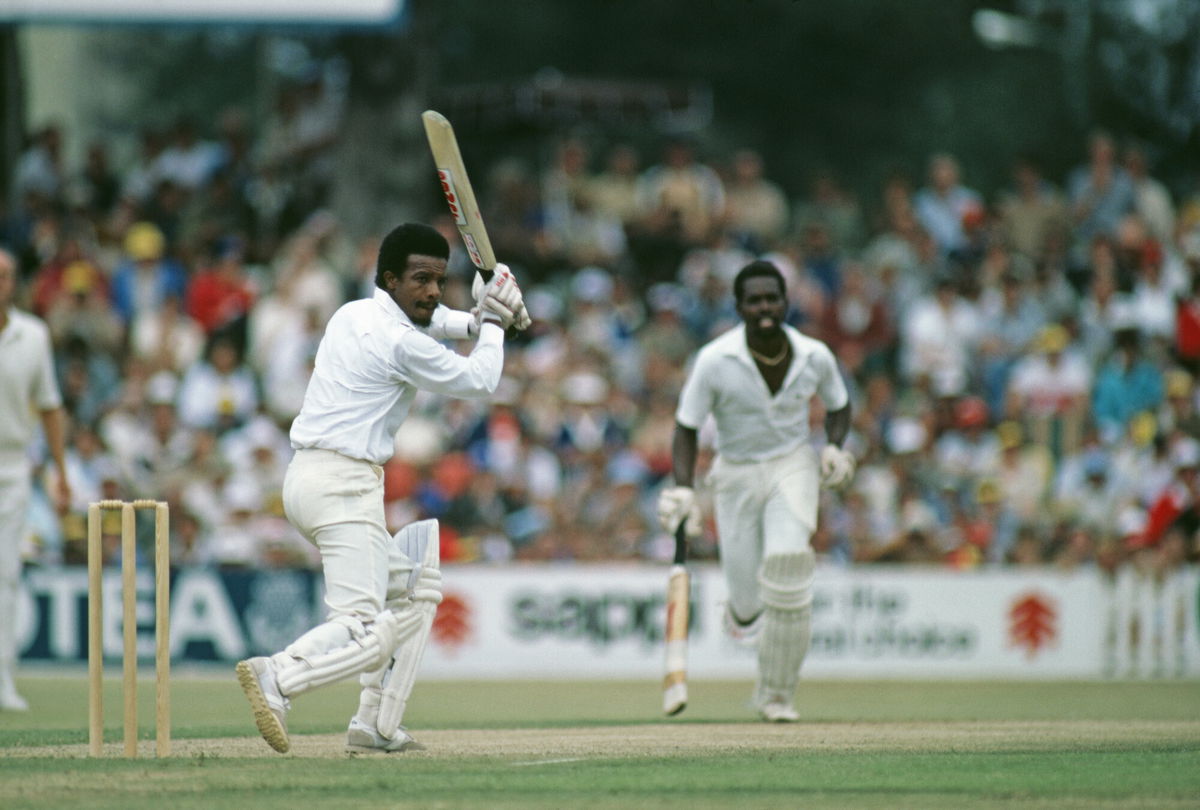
(337, 503)
(762, 508)
(14, 509)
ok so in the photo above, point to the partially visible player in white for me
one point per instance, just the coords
(28, 394)
(381, 590)
(756, 381)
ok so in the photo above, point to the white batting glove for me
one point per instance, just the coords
(676, 505)
(521, 320)
(477, 287)
(837, 466)
(478, 291)
(500, 298)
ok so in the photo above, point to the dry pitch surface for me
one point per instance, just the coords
(547, 745)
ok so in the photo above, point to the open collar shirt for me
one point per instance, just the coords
(753, 424)
(370, 365)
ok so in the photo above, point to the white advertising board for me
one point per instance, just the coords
(589, 622)
(606, 621)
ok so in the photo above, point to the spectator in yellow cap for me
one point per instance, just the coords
(1181, 412)
(1050, 389)
(83, 310)
(145, 275)
(1023, 474)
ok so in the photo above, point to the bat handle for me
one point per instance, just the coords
(681, 544)
(486, 274)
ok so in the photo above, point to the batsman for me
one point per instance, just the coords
(756, 381)
(381, 590)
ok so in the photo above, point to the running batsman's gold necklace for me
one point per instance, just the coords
(771, 361)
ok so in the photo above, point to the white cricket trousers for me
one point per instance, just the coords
(15, 492)
(763, 508)
(337, 503)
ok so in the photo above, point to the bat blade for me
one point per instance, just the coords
(460, 196)
(675, 689)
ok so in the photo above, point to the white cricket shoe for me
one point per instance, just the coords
(364, 739)
(257, 679)
(778, 710)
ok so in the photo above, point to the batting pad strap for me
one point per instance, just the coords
(411, 622)
(428, 587)
(369, 651)
(413, 549)
(786, 580)
(327, 636)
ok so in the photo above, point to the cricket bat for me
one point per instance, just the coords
(452, 175)
(676, 635)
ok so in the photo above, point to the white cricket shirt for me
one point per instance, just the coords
(27, 383)
(369, 366)
(753, 425)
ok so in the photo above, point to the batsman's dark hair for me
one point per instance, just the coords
(757, 269)
(409, 239)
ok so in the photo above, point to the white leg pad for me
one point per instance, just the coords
(414, 593)
(786, 581)
(335, 650)
(413, 548)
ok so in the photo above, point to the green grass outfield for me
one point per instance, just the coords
(605, 745)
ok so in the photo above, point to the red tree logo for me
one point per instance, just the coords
(1032, 623)
(452, 622)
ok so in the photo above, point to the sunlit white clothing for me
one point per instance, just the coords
(369, 366)
(27, 383)
(762, 508)
(27, 387)
(753, 424)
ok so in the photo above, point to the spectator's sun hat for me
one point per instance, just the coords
(1178, 383)
(1142, 428)
(987, 492)
(144, 242)
(1010, 434)
(1053, 339)
(79, 277)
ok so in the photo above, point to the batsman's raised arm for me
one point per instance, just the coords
(503, 299)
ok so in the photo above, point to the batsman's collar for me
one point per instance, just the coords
(389, 305)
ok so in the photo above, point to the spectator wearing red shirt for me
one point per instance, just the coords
(1187, 308)
(221, 293)
(1178, 507)
(47, 283)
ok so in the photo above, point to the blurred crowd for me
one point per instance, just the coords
(1023, 364)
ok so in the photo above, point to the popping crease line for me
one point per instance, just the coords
(548, 761)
